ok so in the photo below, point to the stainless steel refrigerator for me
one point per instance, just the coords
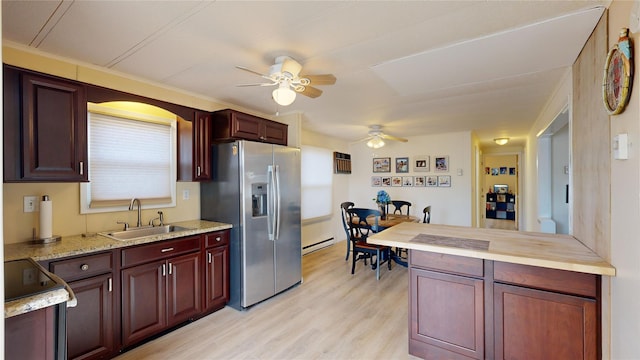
(256, 187)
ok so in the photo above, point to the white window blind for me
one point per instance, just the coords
(129, 158)
(317, 182)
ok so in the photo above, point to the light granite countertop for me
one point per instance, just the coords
(82, 245)
(552, 251)
(85, 244)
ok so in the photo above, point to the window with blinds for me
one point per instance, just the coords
(317, 182)
(131, 155)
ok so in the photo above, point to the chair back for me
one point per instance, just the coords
(360, 227)
(398, 204)
(345, 216)
(427, 215)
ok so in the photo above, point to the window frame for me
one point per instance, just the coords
(134, 112)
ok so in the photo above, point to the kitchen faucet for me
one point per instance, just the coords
(131, 208)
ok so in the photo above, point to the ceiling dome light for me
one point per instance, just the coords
(501, 141)
(283, 95)
(375, 142)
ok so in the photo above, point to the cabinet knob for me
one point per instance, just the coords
(218, 238)
(84, 267)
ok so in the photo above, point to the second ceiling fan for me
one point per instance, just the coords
(376, 137)
(285, 74)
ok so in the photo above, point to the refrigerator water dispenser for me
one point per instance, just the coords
(259, 199)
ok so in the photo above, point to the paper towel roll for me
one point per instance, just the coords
(46, 218)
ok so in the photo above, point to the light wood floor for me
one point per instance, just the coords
(331, 315)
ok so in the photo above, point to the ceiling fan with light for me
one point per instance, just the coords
(376, 137)
(285, 74)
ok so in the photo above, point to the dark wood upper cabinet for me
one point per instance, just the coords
(229, 125)
(45, 128)
(194, 148)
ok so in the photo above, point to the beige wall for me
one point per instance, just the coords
(625, 209)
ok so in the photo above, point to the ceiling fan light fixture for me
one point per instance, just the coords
(376, 142)
(501, 141)
(284, 95)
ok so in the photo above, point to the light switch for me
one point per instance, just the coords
(620, 147)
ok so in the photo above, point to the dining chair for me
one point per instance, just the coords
(360, 229)
(427, 214)
(345, 220)
(398, 204)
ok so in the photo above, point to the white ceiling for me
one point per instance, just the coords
(416, 67)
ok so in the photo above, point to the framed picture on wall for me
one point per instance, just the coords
(442, 163)
(396, 181)
(402, 165)
(421, 163)
(381, 165)
(407, 181)
(386, 181)
(444, 180)
(419, 181)
(431, 180)
(376, 181)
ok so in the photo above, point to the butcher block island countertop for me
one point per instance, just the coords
(563, 252)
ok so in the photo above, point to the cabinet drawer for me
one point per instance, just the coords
(160, 250)
(83, 267)
(563, 281)
(449, 263)
(217, 238)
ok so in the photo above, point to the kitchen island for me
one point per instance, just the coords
(488, 293)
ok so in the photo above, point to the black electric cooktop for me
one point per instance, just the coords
(24, 278)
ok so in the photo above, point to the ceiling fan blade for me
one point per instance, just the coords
(253, 72)
(361, 140)
(310, 91)
(324, 79)
(394, 138)
(258, 84)
(291, 66)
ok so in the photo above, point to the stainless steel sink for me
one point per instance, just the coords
(137, 233)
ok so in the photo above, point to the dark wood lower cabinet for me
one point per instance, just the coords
(31, 335)
(90, 324)
(447, 317)
(143, 302)
(462, 308)
(535, 324)
(159, 295)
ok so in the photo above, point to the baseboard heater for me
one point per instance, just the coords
(317, 245)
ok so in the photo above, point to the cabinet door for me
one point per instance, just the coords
(90, 324)
(202, 146)
(534, 324)
(184, 297)
(143, 301)
(245, 126)
(31, 335)
(54, 130)
(217, 277)
(275, 133)
(446, 316)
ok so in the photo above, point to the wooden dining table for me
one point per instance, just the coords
(389, 221)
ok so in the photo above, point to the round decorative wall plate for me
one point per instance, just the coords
(618, 71)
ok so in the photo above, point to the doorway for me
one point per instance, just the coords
(554, 176)
(500, 186)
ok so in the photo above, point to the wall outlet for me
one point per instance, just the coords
(30, 204)
(185, 194)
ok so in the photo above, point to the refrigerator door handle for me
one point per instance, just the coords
(277, 212)
(271, 203)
